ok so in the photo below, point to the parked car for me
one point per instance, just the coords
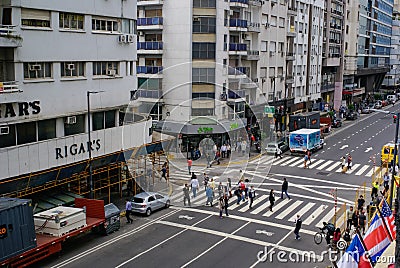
(147, 202)
(365, 109)
(272, 147)
(378, 104)
(352, 115)
(336, 123)
(391, 99)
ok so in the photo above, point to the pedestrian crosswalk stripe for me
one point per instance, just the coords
(327, 163)
(288, 161)
(260, 208)
(339, 169)
(354, 167)
(200, 199)
(269, 161)
(315, 214)
(276, 162)
(334, 165)
(299, 161)
(237, 205)
(314, 164)
(326, 218)
(361, 171)
(286, 212)
(256, 201)
(276, 207)
(302, 211)
(369, 174)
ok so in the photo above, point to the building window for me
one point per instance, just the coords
(204, 3)
(46, 129)
(38, 70)
(26, 133)
(202, 111)
(35, 18)
(102, 120)
(74, 125)
(105, 68)
(72, 69)
(203, 75)
(105, 25)
(9, 139)
(70, 21)
(203, 95)
(203, 51)
(204, 25)
(128, 26)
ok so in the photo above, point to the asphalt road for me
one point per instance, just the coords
(196, 236)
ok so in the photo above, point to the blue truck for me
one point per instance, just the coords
(305, 139)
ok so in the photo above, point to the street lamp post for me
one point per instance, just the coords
(89, 143)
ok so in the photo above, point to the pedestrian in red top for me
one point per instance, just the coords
(189, 164)
(336, 236)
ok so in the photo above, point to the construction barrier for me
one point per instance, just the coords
(340, 218)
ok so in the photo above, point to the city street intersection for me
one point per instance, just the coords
(196, 237)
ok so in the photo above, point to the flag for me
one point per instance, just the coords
(354, 257)
(376, 238)
(388, 217)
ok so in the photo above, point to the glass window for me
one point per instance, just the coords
(26, 132)
(7, 140)
(109, 119)
(46, 129)
(203, 51)
(38, 70)
(35, 18)
(70, 21)
(202, 111)
(97, 121)
(109, 25)
(203, 75)
(74, 128)
(73, 69)
(102, 68)
(204, 25)
(204, 3)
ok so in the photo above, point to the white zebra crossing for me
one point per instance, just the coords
(354, 167)
(326, 218)
(334, 165)
(290, 160)
(298, 162)
(276, 207)
(303, 210)
(327, 163)
(255, 203)
(314, 214)
(277, 162)
(287, 211)
(362, 170)
(315, 163)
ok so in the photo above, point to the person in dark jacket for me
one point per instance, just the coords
(271, 199)
(297, 228)
(285, 186)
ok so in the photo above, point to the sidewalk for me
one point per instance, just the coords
(387, 257)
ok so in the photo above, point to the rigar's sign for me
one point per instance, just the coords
(14, 109)
(74, 149)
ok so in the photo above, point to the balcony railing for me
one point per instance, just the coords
(149, 69)
(237, 94)
(150, 45)
(240, 1)
(238, 70)
(150, 21)
(254, 26)
(152, 94)
(8, 87)
(238, 23)
(237, 47)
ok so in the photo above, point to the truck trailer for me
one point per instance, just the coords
(305, 139)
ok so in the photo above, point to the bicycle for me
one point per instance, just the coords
(319, 236)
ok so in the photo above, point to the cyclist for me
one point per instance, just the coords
(330, 228)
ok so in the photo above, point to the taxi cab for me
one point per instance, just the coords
(387, 154)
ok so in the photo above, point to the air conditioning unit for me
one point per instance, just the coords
(111, 72)
(141, 33)
(122, 39)
(71, 66)
(35, 67)
(4, 130)
(70, 120)
(130, 38)
(196, 19)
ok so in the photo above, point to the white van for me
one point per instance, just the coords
(391, 98)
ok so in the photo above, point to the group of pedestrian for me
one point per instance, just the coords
(346, 162)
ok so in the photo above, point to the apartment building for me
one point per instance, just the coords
(58, 61)
(391, 81)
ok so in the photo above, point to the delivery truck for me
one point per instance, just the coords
(304, 120)
(305, 139)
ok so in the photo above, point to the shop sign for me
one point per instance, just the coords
(74, 149)
(205, 130)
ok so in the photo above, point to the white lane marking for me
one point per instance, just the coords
(258, 200)
(326, 218)
(354, 167)
(288, 161)
(369, 174)
(200, 199)
(315, 214)
(276, 207)
(276, 162)
(314, 164)
(327, 163)
(297, 163)
(335, 164)
(302, 211)
(340, 169)
(286, 212)
(260, 208)
(361, 170)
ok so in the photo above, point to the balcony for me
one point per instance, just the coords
(239, 3)
(150, 47)
(149, 71)
(289, 80)
(290, 56)
(291, 32)
(238, 25)
(248, 84)
(149, 2)
(236, 94)
(238, 72)
(292, 11)
(148, 95)
(237, 49)
(154, 23)
(9, 87)
(253, 27)
(8, 37)
(253, 55)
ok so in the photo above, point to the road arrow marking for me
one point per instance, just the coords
(264, 232)
(368, 149)
(185, 217)
(344, 147)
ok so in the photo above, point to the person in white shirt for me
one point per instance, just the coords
(223, 151)
(194, 184)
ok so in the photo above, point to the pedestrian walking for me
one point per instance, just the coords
(349, 162)
(271, 199)
(298, 223)
(375, 190)
(189, 165)
(361, 222)
(309, 156)
(238, 194)
(194, 184)
(210, 196)
(305, 161)
(205, 181)
(242, 187)
(223, 150)
(349, 215)
(221, 205)
(278, 153)
(343, 160)
(355, 219)
(226, 203)
(228, 150)
(285, 186)
(336, 237)
(360, 203)
(128, 211)
(243, 146)
(386, 180)
(186, 195)
(252, 194)
(212, 184)
(164, 171)
(220, 189)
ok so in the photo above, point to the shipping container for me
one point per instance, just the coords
(309, 120)
(17, 230)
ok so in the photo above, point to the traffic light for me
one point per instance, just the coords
(394, 119)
